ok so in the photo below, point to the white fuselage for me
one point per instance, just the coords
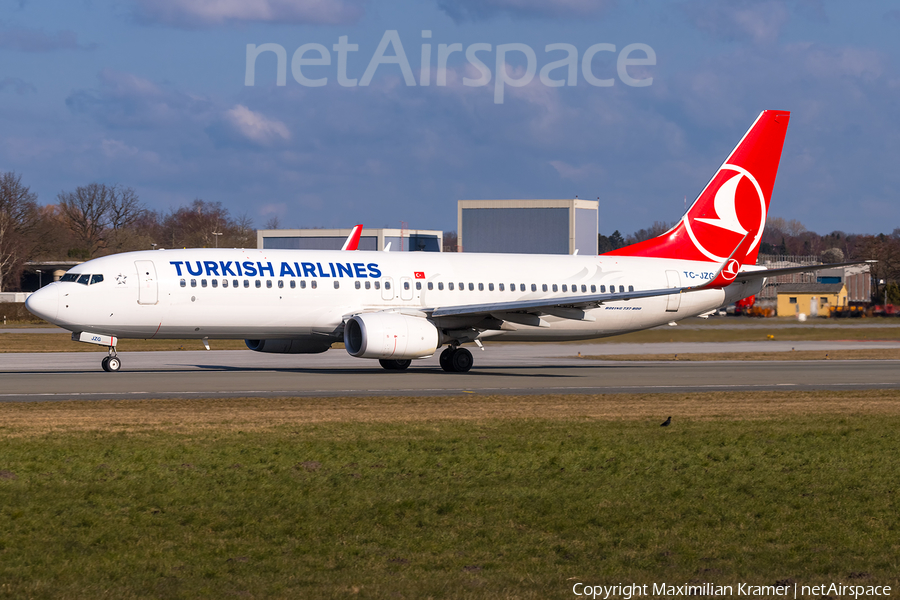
(268, 294)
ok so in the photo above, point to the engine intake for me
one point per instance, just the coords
(390, 335)
(298, 346)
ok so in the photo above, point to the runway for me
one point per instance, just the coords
(501, 369)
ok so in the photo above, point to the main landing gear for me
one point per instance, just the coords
(111, 363)
(456, 360)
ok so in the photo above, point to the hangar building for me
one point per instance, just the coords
(406, 240)
(528, 226)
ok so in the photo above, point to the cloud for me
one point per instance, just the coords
(255, 127)
(207, 13)
(36, 40)
(756, 21)
(125, 100)
(20, 86)
(475, 10)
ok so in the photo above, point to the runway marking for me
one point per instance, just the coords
(371, 392)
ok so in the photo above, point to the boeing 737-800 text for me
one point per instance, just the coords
(396, 307)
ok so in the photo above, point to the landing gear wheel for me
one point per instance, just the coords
(113, 364)
(105, 363)
(395, 365)
(447, 359)
(461, 360)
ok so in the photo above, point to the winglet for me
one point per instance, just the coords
(729, 269)
(352, 242)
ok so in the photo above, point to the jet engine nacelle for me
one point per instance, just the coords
(299, 346)
(390, 336)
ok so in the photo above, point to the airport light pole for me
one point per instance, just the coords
(38, 271)
(217, 234)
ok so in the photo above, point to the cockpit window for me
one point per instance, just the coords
(70, 277)
(96, 279)
(84, 279)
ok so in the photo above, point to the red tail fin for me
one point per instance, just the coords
(733, 204)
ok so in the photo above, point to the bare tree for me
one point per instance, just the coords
(100, 215)
(123, 213)
(18, 217)
(243, 230)
(273, 223)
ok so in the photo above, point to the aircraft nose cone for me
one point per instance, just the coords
(44, 303)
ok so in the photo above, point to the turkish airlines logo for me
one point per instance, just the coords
(716, 225)
(731, 269)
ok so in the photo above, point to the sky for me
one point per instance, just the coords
(331, 113)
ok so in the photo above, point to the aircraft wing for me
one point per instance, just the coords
(574, 307)
(571, 307)
(754, 272)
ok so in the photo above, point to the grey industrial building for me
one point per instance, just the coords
(405, 240)
(528, 226)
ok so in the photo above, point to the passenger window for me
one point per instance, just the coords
(430, 286)
(337, 284)
(280, 283)
(565, 288)
(303, 284)
(193, 283)
(418, 285)
(246, 283)
(268, 283)
(462, 286)
(533, 287)
(491, 287)
(313, 284)
(182, 283)
(357, 284)
(202, 283)
(630, 288)
(224, 283)
(450, 286)
(501, 287)
(368, 285)
(555, 289)
(293, 284)
(441, 285)
(583, 288)
(377, 285)
(593, 289)
(387, 285)
(471, 287)
(96, 279)
(521, 287)
(405, 285)
(84, 279)
(258, 283)
(480, 287)
(544, 287)
(602, 289)
(215, 283)
(621, 289)
(234, 282)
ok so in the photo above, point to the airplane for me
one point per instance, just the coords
(398, 307)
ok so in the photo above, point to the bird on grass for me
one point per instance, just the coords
(667, 422)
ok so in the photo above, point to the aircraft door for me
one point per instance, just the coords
(406, 290)
(148, 292)
(673, 301)
(387, 289)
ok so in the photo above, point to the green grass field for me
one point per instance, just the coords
(446, 497)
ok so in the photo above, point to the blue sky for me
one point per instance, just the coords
(152, 94)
